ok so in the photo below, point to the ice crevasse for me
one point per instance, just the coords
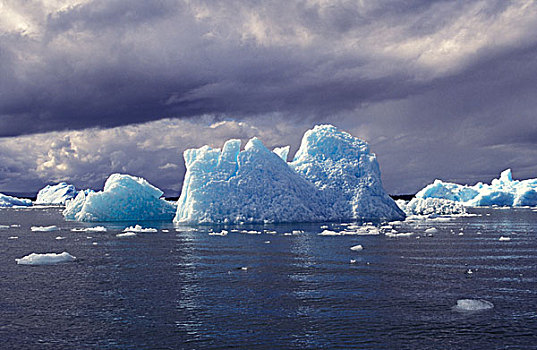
(123, 198)
(333, 176)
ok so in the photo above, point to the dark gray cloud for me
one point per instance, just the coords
(439, 88)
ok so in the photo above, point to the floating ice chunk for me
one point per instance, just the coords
(124, 234)
(332, 177)
(297, 232)
(123, 198)
(473, 305)
(90, 229)
(398, 235)
(165, 230)
(138, 228)
(4, 227)
(56, 194)
(501, 192)
(45, 259)
(329, 233)
(45, 228)
(15, 225)
(8, 201)
(431, 230)
(221, 233)
(504, 239)
(357, 247)
(13, 237)
(59, 238)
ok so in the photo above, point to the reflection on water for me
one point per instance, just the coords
(185, 288)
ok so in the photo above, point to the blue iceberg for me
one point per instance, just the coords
(332, 177)
(56, 194)
(503, 191)
(8, 201)
(124, 198)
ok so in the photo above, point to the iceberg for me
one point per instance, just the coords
(56, 194)
(45, 259)
(473, 305)
(124, 198)
(432, 206)
(333, 176)
(503, 191)
(8, 201)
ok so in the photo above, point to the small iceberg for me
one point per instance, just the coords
(357, 248)
(504, 239)
(140, 229)
(221, 233)
(45, 259)
(126, 234)
(8, 201)
(398, 235)
(473, 305)
(45, 228)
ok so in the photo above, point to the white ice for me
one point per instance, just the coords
(126, 234)
(473, 305)
(90, 229)
(138, 228)
(45, 259)
(333, 176)
(503, 191)
(124, 198)
(45, 228)
(8, 201)
(56, 194)
(357, 247)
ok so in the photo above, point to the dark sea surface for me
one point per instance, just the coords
(187, 289)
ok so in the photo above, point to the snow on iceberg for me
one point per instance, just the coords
(123, 198)
(56, 194)
(332, 177)
(8, 201)
(45, 259)
(502, 192)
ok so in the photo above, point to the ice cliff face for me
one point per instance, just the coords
(8, 201)
(123, 198)
(503, 192)
(56, 194)
(332, 177)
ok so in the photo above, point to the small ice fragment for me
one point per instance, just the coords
(469, 272)
(3, 227)
(329, 233)
(324, 227)
(15, 225)
(60, 238)
(431, 230)
(504, 239)
(13, 237)
(89, 237)
(244, 268)
(357, 247)
(267, 242)
(461, 233)
(45, 259)
(296, 232)
(353, 261)
(272, 232)
(95, 243)
(398, 235)
(478, 233)
(473, 305)
(165, 231)
(45, 228)
(221, 233)
(138, 228)
(126, 234)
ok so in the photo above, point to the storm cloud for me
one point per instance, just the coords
(439, 88)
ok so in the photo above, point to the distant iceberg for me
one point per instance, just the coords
(45, 259)
(333, 176)
(56, 194)
(123, 198)
(502, 192)
(8, 201)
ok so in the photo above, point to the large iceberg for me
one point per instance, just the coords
(332, 177)
(56, 194)
(123, 198)
(503, 192)
(8, 201)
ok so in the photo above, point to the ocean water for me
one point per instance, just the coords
(186, 289)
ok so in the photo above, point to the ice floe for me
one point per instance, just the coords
(473, 305)
(45, 228)
(45, 259)
(140, 229)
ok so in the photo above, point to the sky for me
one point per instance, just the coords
(439, 89)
